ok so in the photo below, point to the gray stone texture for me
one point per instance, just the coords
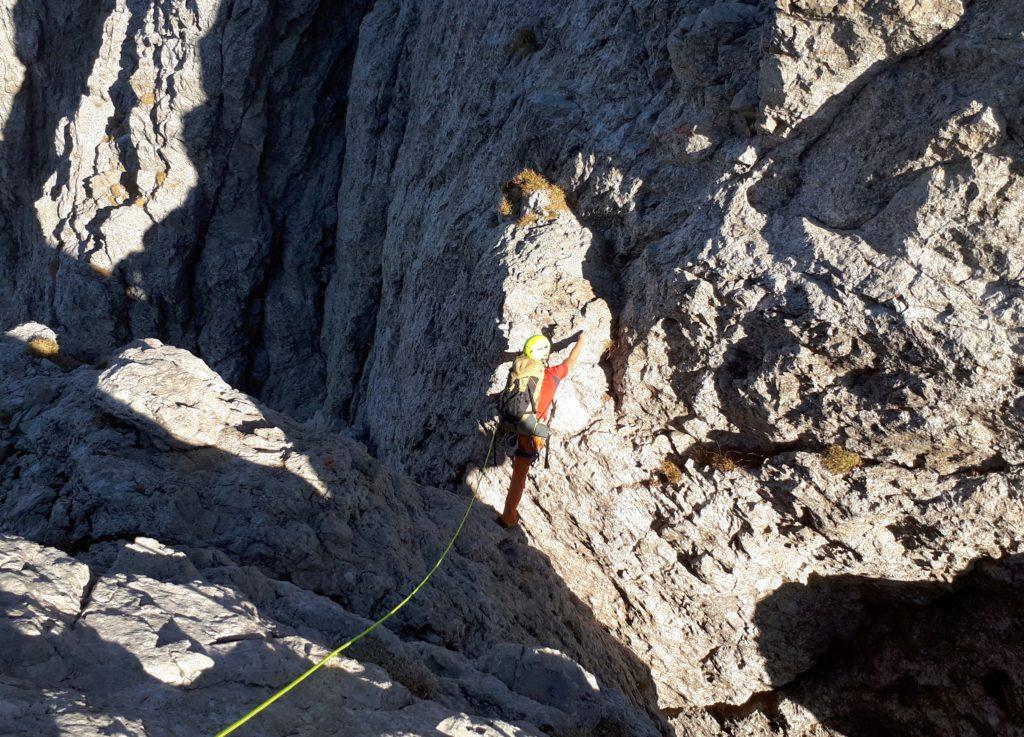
(102, 464)
(170, 169)
(790, 225)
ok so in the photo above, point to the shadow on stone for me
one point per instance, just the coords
(254, 513)
(911, 659)
(301, 506)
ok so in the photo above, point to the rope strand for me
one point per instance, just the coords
(394, 610)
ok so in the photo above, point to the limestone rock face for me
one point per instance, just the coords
(791, 232)
(125, 630)
(139, 637)
(790, 227)
(170, 169)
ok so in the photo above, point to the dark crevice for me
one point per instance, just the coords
(78, 545)
(993, 464)
(738, 451)
(86, 596)
(604, 267)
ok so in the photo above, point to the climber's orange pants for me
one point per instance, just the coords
(529, 449)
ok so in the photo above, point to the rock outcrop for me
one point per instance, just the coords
(141, 638)
(791, 230)
(170, 169)
(101, 464)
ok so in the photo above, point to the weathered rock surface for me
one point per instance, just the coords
(140, 638)
(790, 225)
(170, 169)
(157, 445)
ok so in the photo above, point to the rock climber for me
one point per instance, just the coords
(525, 403)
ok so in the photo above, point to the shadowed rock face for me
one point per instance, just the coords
(157, 446)
(179, 180)
(790, 225)
(867, 656)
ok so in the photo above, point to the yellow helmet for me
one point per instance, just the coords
(538, 348)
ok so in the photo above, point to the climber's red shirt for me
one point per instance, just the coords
(552, 376)
(529, 445)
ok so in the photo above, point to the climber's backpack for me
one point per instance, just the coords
(522, 391)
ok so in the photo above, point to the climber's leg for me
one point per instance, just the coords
(524, 457)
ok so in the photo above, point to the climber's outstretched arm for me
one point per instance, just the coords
(575, 353)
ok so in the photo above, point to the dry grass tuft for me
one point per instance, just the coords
(529, 182)
(839, 460)
(716, 459)
(42, 347)
(670, 471)
(516, 194)
(721, 462)
(527, 219)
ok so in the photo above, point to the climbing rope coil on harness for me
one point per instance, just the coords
(376, 623)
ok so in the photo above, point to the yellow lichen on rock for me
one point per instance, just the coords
(839, 460)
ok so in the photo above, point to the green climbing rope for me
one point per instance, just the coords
(341, 648)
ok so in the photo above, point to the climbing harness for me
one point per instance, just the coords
(341, 648)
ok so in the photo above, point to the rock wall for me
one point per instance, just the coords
(102, 464)
(136, 636)
(764, 235)
(790, 228)
(792, 235)
(169, 169)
